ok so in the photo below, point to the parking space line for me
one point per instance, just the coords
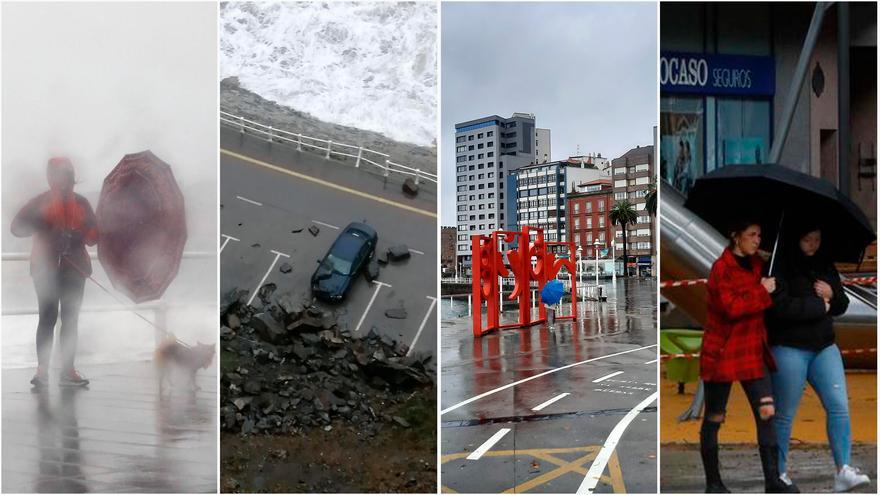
(539, 375)
(249, 201)
(422, 326)
(598, 467)
(602, 379)
(326, 225)
(379, 285)
(416, 251)
(652, 361)
(551, 401)
(488, 444)
(226, 241)
(277, 255)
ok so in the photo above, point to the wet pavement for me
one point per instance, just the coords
(116, 436)
(266, 214)
(530, 409)
(810, 467)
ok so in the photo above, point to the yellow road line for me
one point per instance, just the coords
(329, 184)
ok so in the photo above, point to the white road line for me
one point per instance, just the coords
(277, 255)
(422, 326)
(379, 285)
(326, 225)
(249, 201)
(602, 379)
(551, 401)
(416, 251)
(652, 361)
(539, 375)
(226, 241)
(488, 444)
(598, 466)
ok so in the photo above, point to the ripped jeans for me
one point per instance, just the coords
(824, 371)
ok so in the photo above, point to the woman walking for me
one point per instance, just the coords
(735, 349)
(801, 334)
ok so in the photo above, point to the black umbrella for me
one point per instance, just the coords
(775, 196)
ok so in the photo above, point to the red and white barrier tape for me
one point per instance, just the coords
(686, 283)
(869, 350)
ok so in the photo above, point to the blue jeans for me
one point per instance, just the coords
(824, 371)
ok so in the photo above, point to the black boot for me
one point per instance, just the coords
(709, 453)
(770, 464)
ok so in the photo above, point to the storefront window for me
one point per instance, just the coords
(742, 131)
(681, 140)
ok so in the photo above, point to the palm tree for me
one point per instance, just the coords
(623, 213)
(651, 199)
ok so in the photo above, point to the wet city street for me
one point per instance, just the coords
(551, 411)
(118, 435)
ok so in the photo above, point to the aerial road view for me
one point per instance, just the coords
(328, 248)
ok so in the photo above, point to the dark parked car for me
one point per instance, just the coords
(350, 252)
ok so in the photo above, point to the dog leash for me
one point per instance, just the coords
(165, 333)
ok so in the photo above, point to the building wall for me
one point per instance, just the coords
(631, 177)
(595, 207)
(481, 178)
(447, 247)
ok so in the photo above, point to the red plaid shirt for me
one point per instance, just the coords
(735, 338)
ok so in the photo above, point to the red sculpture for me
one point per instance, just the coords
(488, 265)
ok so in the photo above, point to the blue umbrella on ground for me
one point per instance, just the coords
(552, 292)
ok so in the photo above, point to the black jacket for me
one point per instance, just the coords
(798, 317)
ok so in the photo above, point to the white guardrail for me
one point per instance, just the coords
(328, 147)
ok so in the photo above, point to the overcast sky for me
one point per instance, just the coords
(586, 70)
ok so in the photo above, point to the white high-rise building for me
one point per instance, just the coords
(486, 151)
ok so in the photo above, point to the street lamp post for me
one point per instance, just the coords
(580, 269)
(614, 258)
(596, 245)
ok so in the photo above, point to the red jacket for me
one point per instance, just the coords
(62, 226)
(735, 338)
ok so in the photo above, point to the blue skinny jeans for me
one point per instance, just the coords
(824, 371)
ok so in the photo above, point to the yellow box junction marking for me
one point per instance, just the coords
(578, 466)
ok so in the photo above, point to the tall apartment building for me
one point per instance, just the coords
(486, 151)
(447, 250)
(632, 174)
(541, 194)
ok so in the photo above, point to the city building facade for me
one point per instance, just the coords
(447, 250)
(729, 108)
(632, 176)
(487, 150)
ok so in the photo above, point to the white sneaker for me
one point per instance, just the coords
(785, 479)
(848, 478)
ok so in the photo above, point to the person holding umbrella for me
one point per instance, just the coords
(802, 337)
(735, 350)
(62, 224)
(551, 294)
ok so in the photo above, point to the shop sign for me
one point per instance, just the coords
(701, 73)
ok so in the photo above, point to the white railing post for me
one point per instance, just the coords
(418, 174)
(387, 166)
(329, 144)
(299, 142)
(241, 125)
(360, 154)
(269, 139)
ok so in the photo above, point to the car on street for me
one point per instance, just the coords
(350, 252)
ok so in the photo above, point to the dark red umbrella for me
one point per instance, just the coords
(141, 226)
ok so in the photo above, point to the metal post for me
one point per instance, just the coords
(843, 98)
(614, 260)
(269, 138)
(596, 248)
(470, 302)
(241, 124)
(360, 154)
(329, 144)
(418, 171)
(387, 166)
(797, 82)
(299, 142)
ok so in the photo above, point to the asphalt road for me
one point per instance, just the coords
(531, 410)
(269, 192)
